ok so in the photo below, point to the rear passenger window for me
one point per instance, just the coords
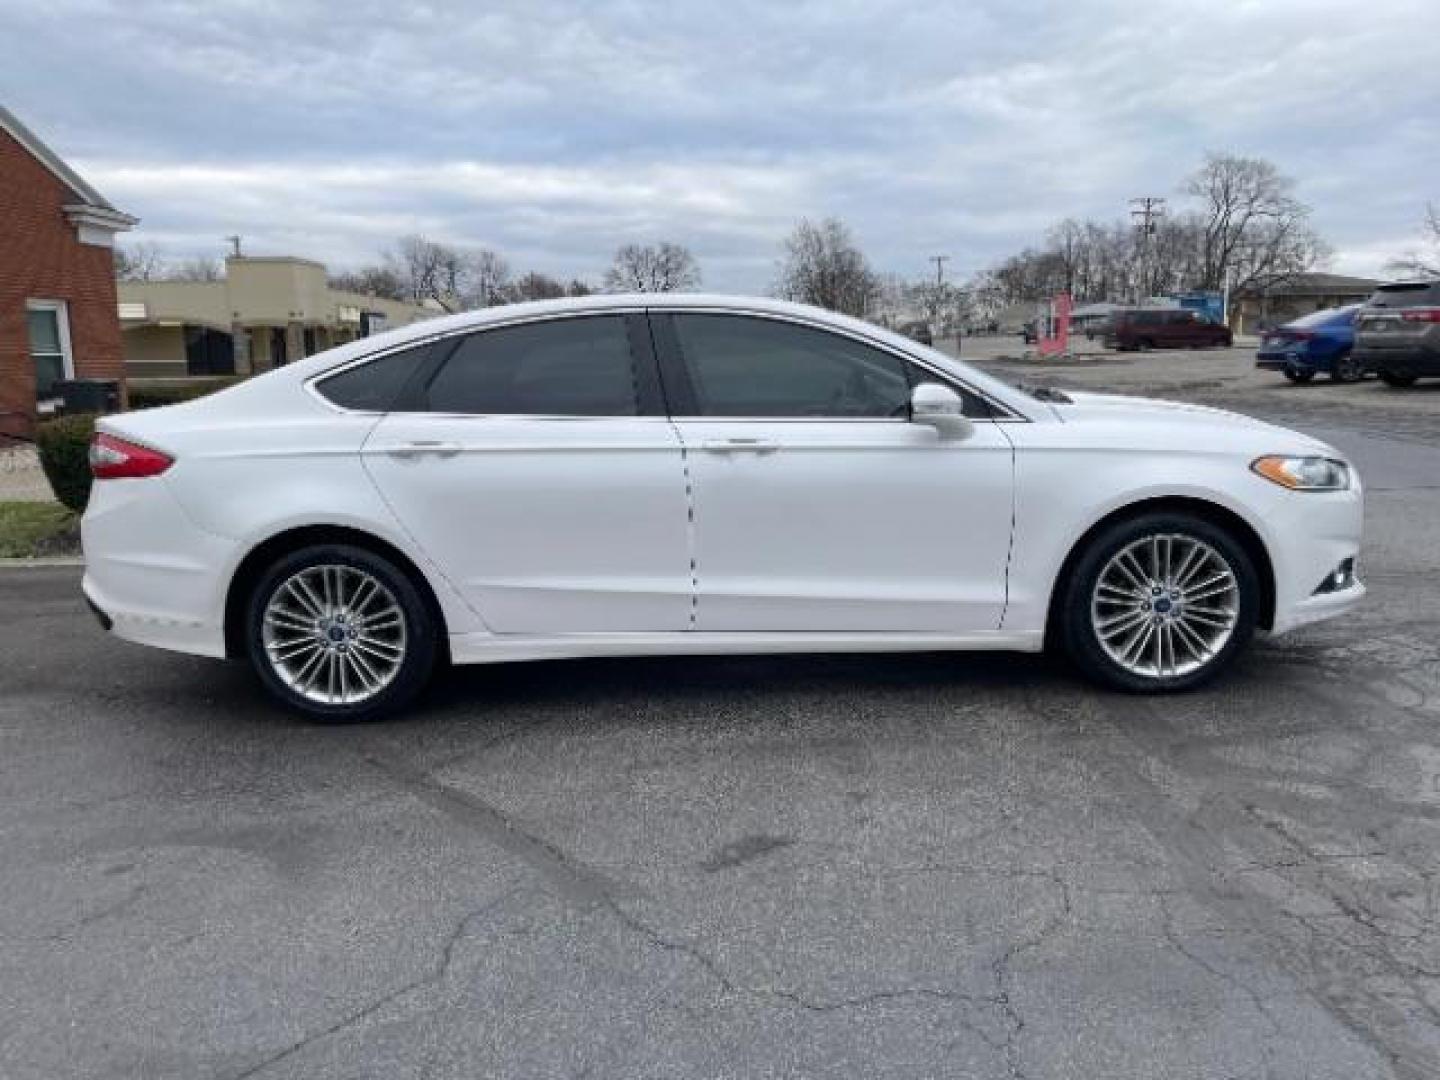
(374, 386)
(563, 367)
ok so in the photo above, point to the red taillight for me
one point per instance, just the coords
(1421, 314)
(116, 459)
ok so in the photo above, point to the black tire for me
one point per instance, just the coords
(1346, 369)
(1079, 637)
(1396, 381)
(419, 645)
(1299, 375)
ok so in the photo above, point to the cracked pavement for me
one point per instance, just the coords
(890, 866)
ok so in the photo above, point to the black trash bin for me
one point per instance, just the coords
(88, 395)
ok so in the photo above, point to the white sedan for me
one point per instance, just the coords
(694, 474)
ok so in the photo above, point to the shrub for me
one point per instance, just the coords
(64, 446)
(158, 394)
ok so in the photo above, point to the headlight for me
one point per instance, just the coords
(1304, 473)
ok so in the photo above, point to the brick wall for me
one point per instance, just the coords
(41, 259)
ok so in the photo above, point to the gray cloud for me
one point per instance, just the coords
(556, 130)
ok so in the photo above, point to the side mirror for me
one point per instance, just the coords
(941, 408)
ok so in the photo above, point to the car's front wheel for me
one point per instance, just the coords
(1159, 602)
(1299, 375)
(340, 633)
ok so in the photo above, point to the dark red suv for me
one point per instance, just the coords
(1162, 328)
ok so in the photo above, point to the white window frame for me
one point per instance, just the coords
(67, 356)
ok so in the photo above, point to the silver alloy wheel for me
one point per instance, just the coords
(334, 634)
(1164, 605)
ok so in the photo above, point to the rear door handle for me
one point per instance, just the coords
(740, 446)
(421, 447)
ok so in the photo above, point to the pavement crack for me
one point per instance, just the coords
(436, 975)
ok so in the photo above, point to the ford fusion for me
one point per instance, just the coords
(696, 475)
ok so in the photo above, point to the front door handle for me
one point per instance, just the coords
(421, 447)
(740, 446)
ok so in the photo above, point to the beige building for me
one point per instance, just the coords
(1255, 310)
(265, 312)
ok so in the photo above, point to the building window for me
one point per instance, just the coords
(49, 327)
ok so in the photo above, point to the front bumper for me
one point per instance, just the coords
(1311, 534)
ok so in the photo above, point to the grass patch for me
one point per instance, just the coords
(29, 529)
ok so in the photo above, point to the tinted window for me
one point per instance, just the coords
(374, 386)
(1406, 294)
(564, 367)
(761, 367)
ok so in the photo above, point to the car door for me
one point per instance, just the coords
(533, 463)
(818, 505)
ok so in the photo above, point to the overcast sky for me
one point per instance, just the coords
(553, 131)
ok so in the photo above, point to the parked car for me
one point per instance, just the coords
(1162, 328)
(1318, 342)
(1030, 332)
(678, 474)
(918, 331)
(1397, 334)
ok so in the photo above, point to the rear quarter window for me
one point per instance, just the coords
(375, 385)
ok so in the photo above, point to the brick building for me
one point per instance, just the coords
(58, 317)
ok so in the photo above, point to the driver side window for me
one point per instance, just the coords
(743, 366)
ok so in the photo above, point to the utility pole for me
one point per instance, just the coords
(234, 239)
(939, 261)
(1147, 212)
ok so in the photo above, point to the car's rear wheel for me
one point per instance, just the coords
(1390, 378)
(1346, 369)
(340, 633)
(1159, 602)
(1299, 375)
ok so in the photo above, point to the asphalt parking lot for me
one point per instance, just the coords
(923, 866)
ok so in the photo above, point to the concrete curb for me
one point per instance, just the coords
(44, 561)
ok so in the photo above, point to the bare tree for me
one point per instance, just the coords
(823, 266)
(199, 268)
(578, 288)
(1427, 265)
(138, 262)
(485, 273)
(428, 270)
(534, 286)
(664, 267)
(375, 280)
(1254, 230)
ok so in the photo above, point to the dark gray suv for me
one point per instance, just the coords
(1397, 332)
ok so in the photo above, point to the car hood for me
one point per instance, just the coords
(1176, 420)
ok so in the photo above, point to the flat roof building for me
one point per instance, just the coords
(265, 312)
